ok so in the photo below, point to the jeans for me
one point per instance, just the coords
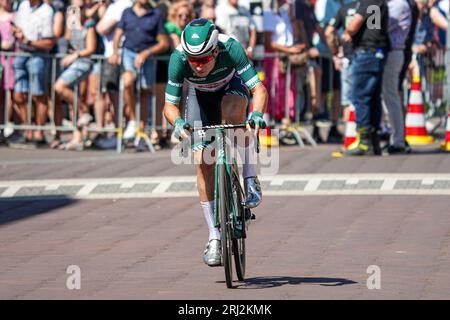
(147, 76)
(37, 68)
(367, 82)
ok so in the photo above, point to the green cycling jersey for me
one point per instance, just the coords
(231, 59)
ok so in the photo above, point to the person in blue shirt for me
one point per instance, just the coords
(145, 36)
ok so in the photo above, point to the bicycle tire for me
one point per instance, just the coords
(239, 243)
(225, 235)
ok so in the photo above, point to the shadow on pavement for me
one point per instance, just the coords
(19, 208)
(271, 282)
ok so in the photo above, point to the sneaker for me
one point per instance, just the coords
(253, 192)
(22, 143)
(8, 131)
(84, 120)
(212, 253)
(396, 150)
(130, 130)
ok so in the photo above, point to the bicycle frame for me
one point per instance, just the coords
(223, 161)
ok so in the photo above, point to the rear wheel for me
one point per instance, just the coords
(225, 228)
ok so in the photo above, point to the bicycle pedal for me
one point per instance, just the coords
(253, 217)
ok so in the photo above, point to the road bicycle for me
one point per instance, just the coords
(231, 215)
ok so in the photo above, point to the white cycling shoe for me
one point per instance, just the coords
(252, 192)
(212, 254)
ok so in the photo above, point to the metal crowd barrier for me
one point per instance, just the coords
(51, 125)
(118, 130)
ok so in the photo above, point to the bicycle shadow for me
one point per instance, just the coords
(272, 282)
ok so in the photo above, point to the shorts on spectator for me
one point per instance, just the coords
(36, 67)
(96, 68)
(148, 70)
(77, 71)
(110, 77)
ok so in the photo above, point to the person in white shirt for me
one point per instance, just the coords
(33, 31)
(236, 21)
(279, 38)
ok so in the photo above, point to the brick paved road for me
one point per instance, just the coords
(298, 248)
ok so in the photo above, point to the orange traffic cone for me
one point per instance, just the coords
(446, 144)
(415, 130)
(350, 129)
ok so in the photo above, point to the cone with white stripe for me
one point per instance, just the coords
(446, 144)
(350, 129)
(415, 130)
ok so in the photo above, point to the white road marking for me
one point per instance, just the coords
(312, 181)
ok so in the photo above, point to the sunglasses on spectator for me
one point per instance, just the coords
(201, 61)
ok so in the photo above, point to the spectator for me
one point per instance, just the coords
(110, 73)
(208, 12)
(82, 39)
(398, 28)
(95, 9)
(180, 14)
(409, 41)
(143, 28)
(236, 21)
(342, 51)
(370, 45)
(279, 39)
(197, 4)
(6, 63)
(305, 27)
(33, 31)
(325, 10)
(423, 37)
(59, 9)
(439, 14)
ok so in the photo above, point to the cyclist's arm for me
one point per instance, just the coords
(174, 87)
(249, 76)
(171, 112)
(260, 98)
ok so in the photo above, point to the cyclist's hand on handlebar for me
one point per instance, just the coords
(181, 129)
(256, 121)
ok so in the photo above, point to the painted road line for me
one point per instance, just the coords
(185, 186)
(162, 187)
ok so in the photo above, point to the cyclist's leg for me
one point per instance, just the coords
(194, 113)
(234, 110)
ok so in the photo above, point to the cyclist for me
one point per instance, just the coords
(220, 79)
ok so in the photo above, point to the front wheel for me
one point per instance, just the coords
(239, 238)
(225, 228)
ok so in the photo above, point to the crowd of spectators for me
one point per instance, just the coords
(337, 60)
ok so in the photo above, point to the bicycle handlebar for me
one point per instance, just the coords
(250, 122)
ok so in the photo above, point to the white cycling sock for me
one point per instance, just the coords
(208, 212)
(249, 159)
